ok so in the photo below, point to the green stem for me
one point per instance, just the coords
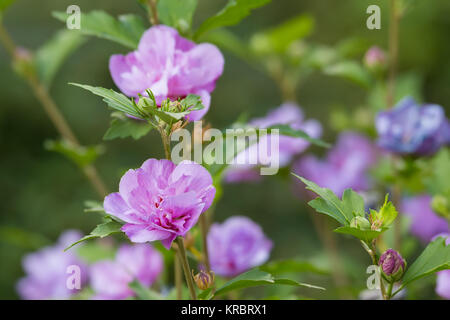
(372, 253)
(153, 14)
(52, 111)
(184, 262)
(393, 52)
(389, 291)
(178, 277)
(165, 138)
(204, 231)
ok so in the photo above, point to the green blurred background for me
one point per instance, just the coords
(43, 193)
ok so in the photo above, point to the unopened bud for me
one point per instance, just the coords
(203, 279)
(23, 61)
(375, 59)
(360, 223)
(392, 265)
(440, 205)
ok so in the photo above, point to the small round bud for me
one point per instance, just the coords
(440, 204)
(23, 62)
(392, 265)
(360, 223)
(375, 59)
(203, 279)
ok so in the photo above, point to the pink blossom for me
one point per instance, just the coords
(111, 279)
(170, 66)
(161, 200)
(237, 245)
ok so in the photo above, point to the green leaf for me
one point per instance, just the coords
(102, 230)
(144, 293)
(80, 155)
(434, 258)
(231, 14)
(352, 71)
(353, 202)
(279, 38)
(387, 213)
(114, 99)
(206, 294)
(177, 13)
(52, 54)
(256, 277)
(126, 30)
(291, 266)
(93, 206)
(328, 203)
(124, 127)
(365, 235)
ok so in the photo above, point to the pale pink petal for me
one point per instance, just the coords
(140, 234)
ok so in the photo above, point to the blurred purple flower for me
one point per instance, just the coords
(169, 65)
(412, 129)
(425, 223)
(161, 200)
(46, 270)
(287, 114)
(443, 284)
(443, 277)
(110, 279)
(345, 166)
(237, 245)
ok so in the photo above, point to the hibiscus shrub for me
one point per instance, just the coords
(383, 182)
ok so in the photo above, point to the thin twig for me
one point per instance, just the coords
(184, 262)
(52, 111)
(393, 52)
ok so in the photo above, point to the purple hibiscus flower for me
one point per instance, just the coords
(287, 114)
(345, 166)
(425, 223)
(47, 271)
(110, 279)
(169, 65)
(412, 129)
(161, 200)
(237, 245)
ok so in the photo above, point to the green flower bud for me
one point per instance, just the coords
(360, 223)
(440, 205)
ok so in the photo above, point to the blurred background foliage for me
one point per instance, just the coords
(42, 193)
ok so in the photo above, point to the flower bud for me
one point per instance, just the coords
(203, 279)
(360, 223)
(392, 265)
(23, 62)
(375, 59)
(441, 206)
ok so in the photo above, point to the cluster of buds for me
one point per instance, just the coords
(392, 265)
(203, 279)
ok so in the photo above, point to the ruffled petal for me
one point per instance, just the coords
(139, 233)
